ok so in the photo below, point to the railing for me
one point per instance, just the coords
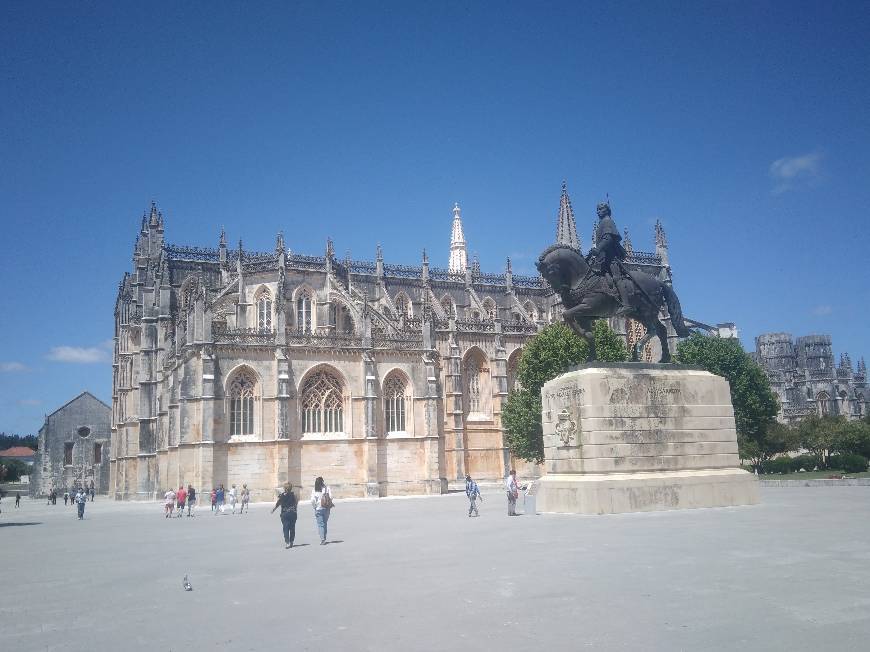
(295, 338)
(799, 411)
(179, 252)
(490, 279)
(822, 373)
(474, 326)
(535, 282)
(519, 327)
(243, 336)
(301, 261)
(397, 341)
(643, 258)
(403, 271)
(363, 267)
(441, 274)
(259, 264)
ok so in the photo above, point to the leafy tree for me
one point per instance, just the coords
(755, 404)
(8, 440)
(12, 470)
(820, 435)
(547, 355)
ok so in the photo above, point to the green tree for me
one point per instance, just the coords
(549, 353)
(12, 470)
(820, 435)
(755, 404)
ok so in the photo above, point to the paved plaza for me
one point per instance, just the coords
(416, 574)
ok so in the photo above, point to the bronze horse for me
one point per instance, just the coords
(587, 296)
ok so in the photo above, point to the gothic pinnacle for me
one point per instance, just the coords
(566, 226)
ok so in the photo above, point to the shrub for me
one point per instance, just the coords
(805, 462)
(778, 465)
(848, 462)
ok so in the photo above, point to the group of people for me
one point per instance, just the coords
(512, 488)
(221, 499)
(69, 495)
(321, 501)
(177, 500)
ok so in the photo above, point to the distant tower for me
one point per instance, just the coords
(662, 244)
(458, 254)
(566, 228)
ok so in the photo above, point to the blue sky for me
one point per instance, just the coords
(742, 126)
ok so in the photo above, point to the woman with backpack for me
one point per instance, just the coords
(321, 501)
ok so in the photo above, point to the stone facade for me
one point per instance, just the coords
(806, 380)
(74, 447)
(233, 366)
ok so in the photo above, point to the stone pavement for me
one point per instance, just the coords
(417, 574)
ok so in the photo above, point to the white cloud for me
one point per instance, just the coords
(11, 367)
(790, 171)
(27, 402)
(821, 311)
(81, 354)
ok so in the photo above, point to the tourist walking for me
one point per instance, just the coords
(168, 503)
(191, 499)
(80, 503)
(17, 499)
(213, 499)
(287, 502)
(473, 493)
(232, 498)
(246, 498)
(66, 497)
(321, 500)
(513, 492)
(180, 497)
(93, 494)
(219, 500)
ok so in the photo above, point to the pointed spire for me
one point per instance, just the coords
(566, 228)
(475, 265)
(240, 250)
(153, 217)
(379, 254)
(458, 253)
(330, 249)
(223, 240)
(279, 243)
(862, 367)
(508, 268)
(846, 361)
(425, 257)
(661, 239)
(626, 241)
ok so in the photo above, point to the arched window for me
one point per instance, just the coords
(513, 365)
(822, 403)
(322, 404)
(531, 311)
(517, 317)
(475, 315)
(241, 397)
(394, 404)
(403, 305)
(477, 389)
(490, 309)
(340, 318)
(264, 310)
(447, 305)
(303, 312)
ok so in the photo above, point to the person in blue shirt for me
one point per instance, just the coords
(219, 500)
(473, 493)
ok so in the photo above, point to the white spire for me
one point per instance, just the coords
(566, 227)
(458, 255)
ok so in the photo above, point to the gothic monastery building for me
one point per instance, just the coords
(234, 366)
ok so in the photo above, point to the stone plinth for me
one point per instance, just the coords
(629, 437)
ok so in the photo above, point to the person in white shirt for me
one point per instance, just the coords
(513, 492)
(168, 503)
(232, 498)
(321, 501)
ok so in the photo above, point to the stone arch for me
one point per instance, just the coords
(476, 384)
(243, 390)
(449, 305)
(513, 363)
(188, 292)
(322, 399)
(341, 316)
(263, 306)
(304, 308)
(531, 310)
(397, 393)
(490, 308)
(823, 403)
(403, 303)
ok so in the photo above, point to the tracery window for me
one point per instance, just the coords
(394, 404)
(241, 397)
(531, 311)
(403, 305)
(512, 369)
(264, 311)
(477, 384)
(322, 404)
(822, 401)
(490, 309)
(447, 305)
(303, 312)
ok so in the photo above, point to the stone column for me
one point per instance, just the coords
(455, 428)
(371, 433)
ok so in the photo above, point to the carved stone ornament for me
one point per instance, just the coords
(566, 427)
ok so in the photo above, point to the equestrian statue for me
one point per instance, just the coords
(599, 286)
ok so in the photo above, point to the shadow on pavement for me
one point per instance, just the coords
(19, 524)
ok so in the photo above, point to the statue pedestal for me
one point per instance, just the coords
(634, 437)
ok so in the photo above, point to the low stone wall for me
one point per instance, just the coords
(818, 482)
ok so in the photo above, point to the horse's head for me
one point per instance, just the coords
(562, 266)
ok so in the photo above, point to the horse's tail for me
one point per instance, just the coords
(675, 311)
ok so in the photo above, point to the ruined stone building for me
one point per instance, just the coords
(235, 366)
(806, 380)
(74, 447)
